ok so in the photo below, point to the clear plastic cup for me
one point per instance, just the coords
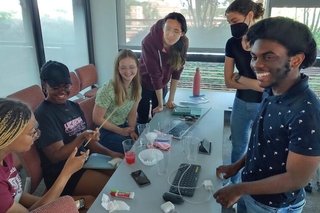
(129, 150)
(184, 138)
(192, 145)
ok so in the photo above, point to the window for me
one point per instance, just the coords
(207, 26)
(64, 31)
(19, 68)
(208, 31)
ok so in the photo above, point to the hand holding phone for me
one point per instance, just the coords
(140, 178)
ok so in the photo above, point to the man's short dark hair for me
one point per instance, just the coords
(293, 35)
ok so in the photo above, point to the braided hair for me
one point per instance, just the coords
(14, 117)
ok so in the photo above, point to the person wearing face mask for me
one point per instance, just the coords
(241, 14)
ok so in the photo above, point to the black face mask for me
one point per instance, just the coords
(238, 30)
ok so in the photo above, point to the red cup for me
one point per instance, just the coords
(130, 157)
(129, 150)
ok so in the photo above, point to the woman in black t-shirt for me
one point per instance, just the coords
(241, 14)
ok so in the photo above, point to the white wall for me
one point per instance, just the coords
(105, 38)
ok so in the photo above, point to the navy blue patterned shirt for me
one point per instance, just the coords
(286, 122)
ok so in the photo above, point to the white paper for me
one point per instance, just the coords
(114, 205)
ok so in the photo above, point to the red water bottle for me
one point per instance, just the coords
(196, 82)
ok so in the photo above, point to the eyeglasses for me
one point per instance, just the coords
(35, 134)
(174, 31)
(65, 88)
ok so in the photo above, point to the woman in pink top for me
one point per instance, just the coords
(18, 130)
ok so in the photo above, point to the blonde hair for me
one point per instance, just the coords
(14, 117)
(119, 89)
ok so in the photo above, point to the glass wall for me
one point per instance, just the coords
(208, 31)
(19, 68)
(28, 38)
(64, 31)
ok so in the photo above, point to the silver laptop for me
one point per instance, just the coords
(181, 127)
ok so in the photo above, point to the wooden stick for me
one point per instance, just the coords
(115, 109)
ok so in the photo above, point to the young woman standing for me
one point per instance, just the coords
(241, 14)
(162, 58)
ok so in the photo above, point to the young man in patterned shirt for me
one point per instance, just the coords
(284, 148)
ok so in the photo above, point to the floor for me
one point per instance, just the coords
(313, 198)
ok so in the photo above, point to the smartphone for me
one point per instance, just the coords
(140, 178)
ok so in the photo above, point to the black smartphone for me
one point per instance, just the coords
(140, 177)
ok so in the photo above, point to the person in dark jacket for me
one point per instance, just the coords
(162, 58)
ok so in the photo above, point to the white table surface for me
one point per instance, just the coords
(149, 198)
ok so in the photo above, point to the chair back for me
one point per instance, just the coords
(88, 76)
(87, 108)
(31, 162)
(75, 89)
(32, 96)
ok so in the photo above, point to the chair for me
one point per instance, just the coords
(31, 162)
(88, 77)
(75, 89)
(32, 96)
(87, 108)
(61, 204)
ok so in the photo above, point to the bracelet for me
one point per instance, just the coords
(236, 79)
(80, 203)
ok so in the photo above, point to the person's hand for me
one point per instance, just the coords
(226, 171)
(116, 155)
(73, 163)
(157, 109)
(126, 131)
(228, 195)
(170, 104)
(92, 135)
(134, 135)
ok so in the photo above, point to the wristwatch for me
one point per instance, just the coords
(236, 79)
(80, 203)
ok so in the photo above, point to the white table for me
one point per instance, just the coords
(149, 198)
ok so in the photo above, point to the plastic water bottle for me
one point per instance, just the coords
(196, 82)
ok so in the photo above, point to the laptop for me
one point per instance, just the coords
(98, 161)
(184, 126)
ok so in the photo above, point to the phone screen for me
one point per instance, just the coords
(140, 178)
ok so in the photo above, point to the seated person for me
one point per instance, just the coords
(63, 127)
(18, 130)
(119, 98)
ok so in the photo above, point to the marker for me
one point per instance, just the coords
(122, 194)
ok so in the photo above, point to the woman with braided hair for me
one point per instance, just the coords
(18, 131)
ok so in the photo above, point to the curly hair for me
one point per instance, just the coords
(278, 29)
(245, 6)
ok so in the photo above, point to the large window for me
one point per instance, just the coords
(19, 68)
(208, 31)
(64, 31)
(33, 31)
